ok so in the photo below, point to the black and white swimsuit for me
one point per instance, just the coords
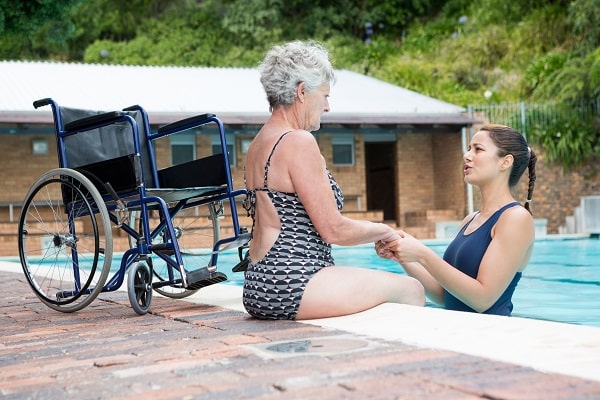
(273, 286)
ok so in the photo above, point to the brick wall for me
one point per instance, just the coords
(449, 189)
(351, 178)
(415, 174)
(429, 175)
(20, 168)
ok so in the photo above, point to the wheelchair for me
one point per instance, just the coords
(108, 185)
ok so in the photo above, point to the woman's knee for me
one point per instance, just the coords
(409, 290)
(417, 292)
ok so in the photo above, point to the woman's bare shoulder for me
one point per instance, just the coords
(517, 213)
(515, 219)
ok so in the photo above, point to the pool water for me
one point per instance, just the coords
(561, 282)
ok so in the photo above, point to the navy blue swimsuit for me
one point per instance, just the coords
(273, 286)
(465, 253)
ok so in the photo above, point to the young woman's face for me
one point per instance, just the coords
(317, 103)
(481, 161)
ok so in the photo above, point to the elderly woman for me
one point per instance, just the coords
(295, 205)
(483, 264)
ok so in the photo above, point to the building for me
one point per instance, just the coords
(397, 154)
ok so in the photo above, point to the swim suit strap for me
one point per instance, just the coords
(268, 163)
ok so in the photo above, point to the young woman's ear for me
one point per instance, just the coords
(507, 161)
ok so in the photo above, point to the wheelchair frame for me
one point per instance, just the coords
(67, 261)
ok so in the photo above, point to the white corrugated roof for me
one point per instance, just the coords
(192, 90)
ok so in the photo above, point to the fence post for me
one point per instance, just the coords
(469, 187)
(465, 142)
(523, 119)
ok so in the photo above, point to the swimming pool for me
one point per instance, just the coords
(561, 282)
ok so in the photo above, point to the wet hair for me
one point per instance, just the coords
(509, 141)
(286, 66)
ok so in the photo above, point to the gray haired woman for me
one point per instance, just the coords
(295, 205)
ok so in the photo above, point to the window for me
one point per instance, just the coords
(216, 147)
(343, 149)
(183, 148)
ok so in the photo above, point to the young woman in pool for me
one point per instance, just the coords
(482, 265)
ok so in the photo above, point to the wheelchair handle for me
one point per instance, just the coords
(42, 102)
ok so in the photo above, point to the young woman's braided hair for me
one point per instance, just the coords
(509, 141)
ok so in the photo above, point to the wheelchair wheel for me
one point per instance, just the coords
(65, 240)
(197, 229)
(139, 287)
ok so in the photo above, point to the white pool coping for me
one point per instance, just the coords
(543, 345)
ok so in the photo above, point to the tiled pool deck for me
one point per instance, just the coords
(207, 348)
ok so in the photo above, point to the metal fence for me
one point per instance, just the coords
(525, 117)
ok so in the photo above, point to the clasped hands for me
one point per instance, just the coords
(404, 249)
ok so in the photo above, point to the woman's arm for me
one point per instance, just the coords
(433, 289)
(508, 252)
(308, 177)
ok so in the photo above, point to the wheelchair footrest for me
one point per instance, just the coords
(203, 277)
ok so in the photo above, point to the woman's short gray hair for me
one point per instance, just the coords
(285, 66)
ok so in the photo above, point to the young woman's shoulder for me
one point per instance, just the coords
(516, 219)
(517, 213)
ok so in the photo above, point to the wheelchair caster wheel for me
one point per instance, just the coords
(139, 287)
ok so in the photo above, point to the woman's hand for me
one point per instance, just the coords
(406, 249)
(383, 251)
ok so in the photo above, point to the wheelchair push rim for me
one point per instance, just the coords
(65, 240)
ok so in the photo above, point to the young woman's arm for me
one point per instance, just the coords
(508, 252)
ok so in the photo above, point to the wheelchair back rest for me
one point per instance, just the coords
(106, 153)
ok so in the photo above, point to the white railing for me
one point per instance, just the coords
(524, 117)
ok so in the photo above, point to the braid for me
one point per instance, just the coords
(532, 177)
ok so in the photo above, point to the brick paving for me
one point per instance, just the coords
(182, 350)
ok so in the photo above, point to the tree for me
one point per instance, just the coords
(35, 29)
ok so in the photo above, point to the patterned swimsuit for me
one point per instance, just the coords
(274, 285)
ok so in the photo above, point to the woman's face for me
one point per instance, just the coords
(481, 161)
(317, 103)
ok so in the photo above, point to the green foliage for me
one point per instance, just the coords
(35, 28)
(564, 77)
(585, 15)
(254, 20)
(508, 12)
(573, 138)
(542, 69)
(454, 50)
(116, 21)
(594, 73)
(189, 39)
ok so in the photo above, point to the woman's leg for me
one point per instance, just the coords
(335, 291)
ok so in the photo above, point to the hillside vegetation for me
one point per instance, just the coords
(460, 51)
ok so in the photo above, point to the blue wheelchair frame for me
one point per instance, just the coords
(146, 194)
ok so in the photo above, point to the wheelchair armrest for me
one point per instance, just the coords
(99, 119)
(192, 121)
